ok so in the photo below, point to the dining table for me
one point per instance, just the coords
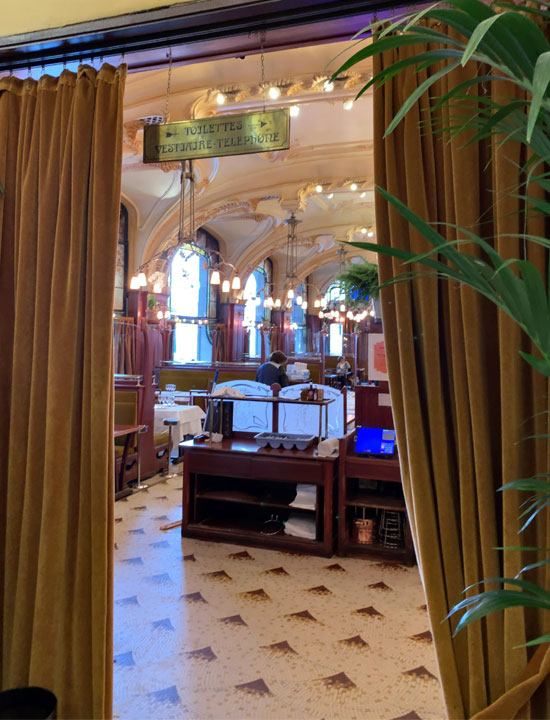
(189, 419)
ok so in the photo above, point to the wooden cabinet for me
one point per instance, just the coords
(232, 489)
(370, 488)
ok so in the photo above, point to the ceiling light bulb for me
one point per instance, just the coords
(215, 277)
(134, 283)
(363, 195)
(160, 315)
(328, 86)
(274, 92)
(319, 188)
(299, 300)
(225, 286)
(330, 196)
(348, 104)
(290, 293)
(363, 231)
(370, 233)
(236, 284)
(220, 98)
(294, 110)
(353, 187)
(342, 308)
(142, 280)
(321, 314)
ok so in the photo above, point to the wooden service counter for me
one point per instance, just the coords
(356, 499)
(232, 489)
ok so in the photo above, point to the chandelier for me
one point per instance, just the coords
(291, 256)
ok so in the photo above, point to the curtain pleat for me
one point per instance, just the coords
(463, 399)
(60, 165)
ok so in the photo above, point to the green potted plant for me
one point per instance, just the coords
(360, 283)
(506, 41)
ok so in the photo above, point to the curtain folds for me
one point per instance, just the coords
(60, 165)
(463, 399)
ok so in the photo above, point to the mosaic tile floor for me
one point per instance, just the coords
(212, 631)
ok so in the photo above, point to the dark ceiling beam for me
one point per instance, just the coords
(195, 31)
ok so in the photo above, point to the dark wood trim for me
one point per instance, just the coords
(201, 30)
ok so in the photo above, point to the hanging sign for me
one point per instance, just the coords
(217, 137)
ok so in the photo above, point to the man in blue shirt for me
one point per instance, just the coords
(273, 371)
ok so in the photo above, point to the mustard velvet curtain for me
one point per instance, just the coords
(60, 165)
(463, 400)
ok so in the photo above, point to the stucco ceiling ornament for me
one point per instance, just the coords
(130, 142)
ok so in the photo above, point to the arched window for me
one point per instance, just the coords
(254, 295)
(189, 303)
(335, 294)
(298, 320)
(121, 274)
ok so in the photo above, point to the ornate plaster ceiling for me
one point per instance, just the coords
(243, 200)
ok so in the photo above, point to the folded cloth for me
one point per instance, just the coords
(328, 447)
(300, 526)
(306, 497)
(227, 391)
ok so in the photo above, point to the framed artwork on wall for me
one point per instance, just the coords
(378, 369)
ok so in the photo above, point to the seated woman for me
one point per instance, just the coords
(273, 371)
(342, 369)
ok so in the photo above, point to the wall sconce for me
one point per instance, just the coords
(225, 286)
(134, 283)
(215, 277)
(236, 284)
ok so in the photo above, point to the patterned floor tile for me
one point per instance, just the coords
(206, 630)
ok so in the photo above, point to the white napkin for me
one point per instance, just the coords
(215, 437)
(227, 391)
(328, 447)
(306, 496)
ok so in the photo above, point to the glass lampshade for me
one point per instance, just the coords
(236, 284)
(134, 283)
(215, 277)
(142, 280)
(225, 286)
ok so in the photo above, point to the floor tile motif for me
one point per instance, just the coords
(209, 631)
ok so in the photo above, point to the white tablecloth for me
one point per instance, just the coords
(188, 416)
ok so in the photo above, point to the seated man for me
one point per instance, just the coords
(273, 371)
